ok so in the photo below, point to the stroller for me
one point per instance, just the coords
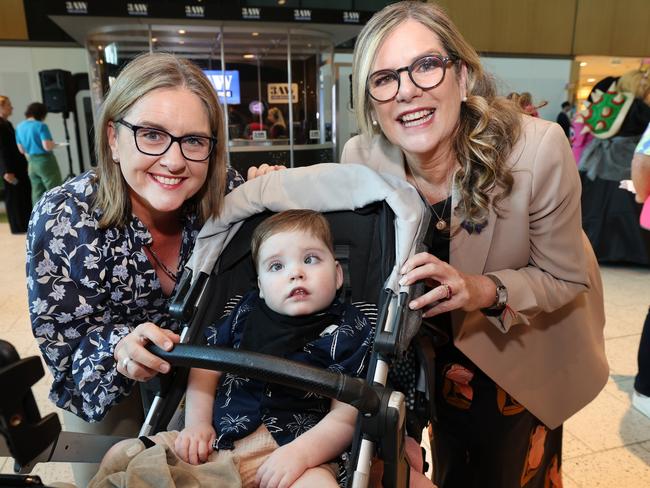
(377, 222)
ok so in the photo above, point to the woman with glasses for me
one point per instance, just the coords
(106, 249)
(514, 295)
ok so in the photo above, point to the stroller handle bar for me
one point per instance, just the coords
(353, 391)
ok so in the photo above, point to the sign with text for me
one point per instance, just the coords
(227, 85)
(279, 93)
(259, 135)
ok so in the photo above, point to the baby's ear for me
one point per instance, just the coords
(339, 276)
(259, 287)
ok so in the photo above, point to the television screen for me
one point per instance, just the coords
(226, 83)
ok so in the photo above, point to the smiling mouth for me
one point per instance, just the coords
(166, 180)
(416, 118)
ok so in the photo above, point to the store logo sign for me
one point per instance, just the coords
(279, 93)
(251, 13)
(76, 7)
(139, 9)
(351, 17)
(226, 83)
(194, 11)
(302, 15)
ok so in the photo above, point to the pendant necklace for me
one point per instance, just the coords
(441, 223)
(170, 274)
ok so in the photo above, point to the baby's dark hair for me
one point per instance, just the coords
(308, 221)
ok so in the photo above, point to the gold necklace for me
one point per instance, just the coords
(441, 223)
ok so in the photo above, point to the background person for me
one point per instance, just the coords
(564, 120)
(641, 179)
(35, 141)
(105, 249)
(513, 281)
(278, 127)
(280, 436)
(13, 168)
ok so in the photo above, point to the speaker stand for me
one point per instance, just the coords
(67, 147)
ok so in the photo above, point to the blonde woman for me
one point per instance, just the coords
(276, 120)
(105, 249)
(513, 282)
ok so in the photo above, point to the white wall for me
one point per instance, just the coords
(545, 79)
(19, 67)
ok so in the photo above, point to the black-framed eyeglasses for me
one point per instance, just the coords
(425, 72)
(156, 142)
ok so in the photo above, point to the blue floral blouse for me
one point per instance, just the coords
(242, 404)
(90, 287)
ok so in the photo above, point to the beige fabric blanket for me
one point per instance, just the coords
(159, 467)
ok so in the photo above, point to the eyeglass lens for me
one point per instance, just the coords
(426, 73)
(156, 142)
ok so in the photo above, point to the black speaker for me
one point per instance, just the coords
(57, 89)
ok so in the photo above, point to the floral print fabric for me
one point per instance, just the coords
(243, 404)
(90, 287)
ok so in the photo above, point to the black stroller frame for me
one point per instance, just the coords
(217, 271)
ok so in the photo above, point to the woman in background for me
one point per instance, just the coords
(13, 168)
(35, 141)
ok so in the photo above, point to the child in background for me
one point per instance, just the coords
(273, 435)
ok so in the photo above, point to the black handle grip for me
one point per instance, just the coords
(353, 391)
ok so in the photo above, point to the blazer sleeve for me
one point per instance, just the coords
(557, 270)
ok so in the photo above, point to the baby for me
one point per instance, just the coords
(273, 435)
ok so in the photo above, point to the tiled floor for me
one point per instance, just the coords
(607, 444)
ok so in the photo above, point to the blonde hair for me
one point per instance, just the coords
(309, 221)
(488, 125)
(277, 116)
(142, 75)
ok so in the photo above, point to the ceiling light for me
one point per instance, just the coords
(154, 39)
(282, 2)
(100, 47)
(181, 31)
(249, 56)
(255, 34)
(583, 64)
(591, 80)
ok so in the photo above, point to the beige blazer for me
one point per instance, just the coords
(549, 352)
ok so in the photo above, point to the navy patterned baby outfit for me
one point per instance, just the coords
(242, 404)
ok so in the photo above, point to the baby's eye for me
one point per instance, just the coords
(311, 259)
(275, 266)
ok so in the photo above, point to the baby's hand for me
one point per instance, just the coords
(282, 468)
(194, 444)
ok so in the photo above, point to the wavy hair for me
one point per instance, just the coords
(142, 75)
(488, 125)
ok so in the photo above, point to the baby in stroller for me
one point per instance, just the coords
(268, 434)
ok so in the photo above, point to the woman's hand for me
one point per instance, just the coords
(262, 169)
(451, 289)
(134, 361)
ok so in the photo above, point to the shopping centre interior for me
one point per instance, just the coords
(296, 56)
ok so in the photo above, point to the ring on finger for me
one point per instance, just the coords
(125, 362)
(449, 291)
